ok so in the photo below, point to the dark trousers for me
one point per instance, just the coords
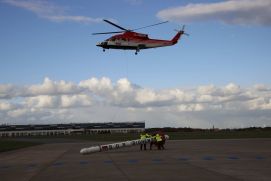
(151, 145)
(159, 144)
(141, 145)
(162, 144)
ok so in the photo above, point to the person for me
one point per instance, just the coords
(153, 142)
(143, 137)
(163, 139)
(148, 136)
(159, 141)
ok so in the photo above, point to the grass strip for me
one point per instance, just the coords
(8, 145)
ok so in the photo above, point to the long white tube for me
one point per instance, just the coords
(113, 146)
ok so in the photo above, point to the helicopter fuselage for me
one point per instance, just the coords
(135, 41)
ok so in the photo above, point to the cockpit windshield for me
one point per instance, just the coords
(111, 39)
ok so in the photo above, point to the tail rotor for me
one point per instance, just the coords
(182, 31)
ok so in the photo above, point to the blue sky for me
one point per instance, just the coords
(221, 49)
(33, 47)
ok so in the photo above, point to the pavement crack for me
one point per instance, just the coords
(46, 166)
(116, 165)
(211, 170)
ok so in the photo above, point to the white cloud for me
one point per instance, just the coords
(207, 89)
(63, 101)
(123, 85)
(17, 112)
(49, 87)
(103, 100)
(50, 11)
(232, 89)
(240, 12)
(261, 87)
(6, 90)
(145, 96)
(4, 106)
(42, 101)
(75, 100)
(190, 107)
(95, 85)
(181, 95)
(205, 98)
(261, 103)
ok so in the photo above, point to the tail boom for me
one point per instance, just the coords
(177, 37)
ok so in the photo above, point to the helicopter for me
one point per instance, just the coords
(128, 39)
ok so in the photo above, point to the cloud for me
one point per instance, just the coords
(261, 87)
(125, 94)
(6, 91)
(238, 12)
(207, 89)
(49, 87)
(232, 89)
(95, 85)
(17, 113)
(50, 11)
(4, 106)
(63, 101)
(103, 100)
(42, 101)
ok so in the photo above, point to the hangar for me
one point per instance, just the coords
(72, 128)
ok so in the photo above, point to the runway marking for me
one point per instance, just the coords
(4, 167)
(56, 164)
(260, 158)
(31, 166)
(157, 160)
(233, 158)
(135, 161)
(108, 161)
(47, 165)
(208, 158)
(83, 162)
(183, 158)
(132, 161)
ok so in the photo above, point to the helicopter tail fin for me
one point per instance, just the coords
(178, 35)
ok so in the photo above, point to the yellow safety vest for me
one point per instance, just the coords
(142, 136)
(158, 138)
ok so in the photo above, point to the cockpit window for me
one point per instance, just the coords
(111, 39)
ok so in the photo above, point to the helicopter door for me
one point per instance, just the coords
(118, 42)
(125, 42)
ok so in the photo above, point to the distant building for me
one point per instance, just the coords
(73, 128)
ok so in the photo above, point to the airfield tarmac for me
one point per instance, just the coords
(231, 159)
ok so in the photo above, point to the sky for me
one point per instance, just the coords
(52, 72)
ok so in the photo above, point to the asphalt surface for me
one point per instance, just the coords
(238, 159)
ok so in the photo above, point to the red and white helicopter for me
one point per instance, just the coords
(131, 40)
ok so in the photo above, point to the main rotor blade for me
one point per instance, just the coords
(112, 32)
(115, 25)
(150, 25)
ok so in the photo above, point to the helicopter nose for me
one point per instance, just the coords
(99, 44)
